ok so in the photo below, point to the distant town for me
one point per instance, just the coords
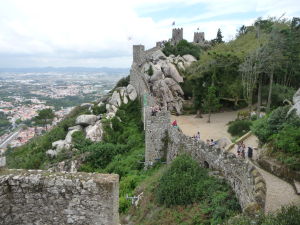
(23, 95)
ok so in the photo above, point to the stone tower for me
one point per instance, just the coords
(138, 53)
(199, 37)
(177, 35)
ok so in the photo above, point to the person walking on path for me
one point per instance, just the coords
(250, 152)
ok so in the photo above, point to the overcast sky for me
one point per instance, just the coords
(96, 33)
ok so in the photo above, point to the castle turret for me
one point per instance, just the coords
(138, 53)
(177, 35)
(199, 37)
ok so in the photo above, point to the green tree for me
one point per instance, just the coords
(211, 103)
(219, 38)
(44, 117)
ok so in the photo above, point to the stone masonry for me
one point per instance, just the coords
(41, 197)
(199, 37)
(177, 35)
(164, 143)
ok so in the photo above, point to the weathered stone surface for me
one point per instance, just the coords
(157, 55)
(171, 71)
(157, 75)
(296, 97)
(239, 174)
(174, 87)
(85, 120)
(115, 99)
(110, 115)
(223, 142)
(189, 59)
(296, 101)
(95, 132)
(37, 197)
(51, 153)
(132, 94)
(68, 139)
(59, 145)
(2, 161)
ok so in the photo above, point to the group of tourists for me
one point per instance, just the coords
(241, 150)
(211, 142)
(197, 136)
(155, 110)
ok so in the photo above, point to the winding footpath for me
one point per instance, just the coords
(279, 192)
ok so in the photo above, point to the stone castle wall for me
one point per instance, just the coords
(164, 143)
(40, 197)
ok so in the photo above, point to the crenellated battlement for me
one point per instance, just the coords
(199, 37)
(177, 35)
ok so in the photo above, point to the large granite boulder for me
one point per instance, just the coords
(60, 145)
(51, 153)
(296, 101)
(68, 139)
(115, 99)
(157, 75)
(157, 55)
(189, 59)
(171, 71)
(95, 132)
(132, 94)
(86, 120)
(173, 86)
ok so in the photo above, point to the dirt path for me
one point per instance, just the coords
(215, 130)
(279, 192)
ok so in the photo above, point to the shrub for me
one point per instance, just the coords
(32, 154)
(150, 71)
(178, 185)
(286, 216)
(239, 127)
(268, 125)
(185, 182)
(123, 82)
(99, 109)
(288, 139)
(182, 48)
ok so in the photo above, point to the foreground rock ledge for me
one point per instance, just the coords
(41, 197)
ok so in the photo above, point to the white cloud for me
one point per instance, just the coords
(96, 32)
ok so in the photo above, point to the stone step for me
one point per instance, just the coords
(297, 187)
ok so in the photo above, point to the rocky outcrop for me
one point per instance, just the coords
(95, 132)
(163, 83)
(296, 101)
(86, 120)
(132, 94)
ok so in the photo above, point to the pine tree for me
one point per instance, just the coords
(219, 38)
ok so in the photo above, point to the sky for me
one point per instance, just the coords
(98, 33)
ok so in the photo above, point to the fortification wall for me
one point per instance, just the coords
(164, 142)
(40, 197)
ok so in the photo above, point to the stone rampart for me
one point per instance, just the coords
(41, 197)
(164, 143)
